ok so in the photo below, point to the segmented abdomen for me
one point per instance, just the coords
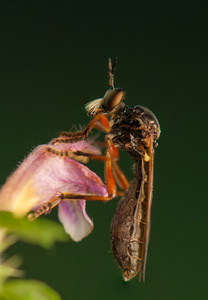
(128, 228)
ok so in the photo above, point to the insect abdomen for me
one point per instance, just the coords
(128, 260)
(128, 231)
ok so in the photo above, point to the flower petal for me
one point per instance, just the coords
(74, 218)
(43, 176)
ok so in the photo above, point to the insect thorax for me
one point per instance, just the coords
(131, 128)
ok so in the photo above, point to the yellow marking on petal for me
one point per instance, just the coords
(19, 200)
(26, 200)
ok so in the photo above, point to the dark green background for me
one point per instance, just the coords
(53, 58)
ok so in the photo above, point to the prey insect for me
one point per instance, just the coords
(136, 131)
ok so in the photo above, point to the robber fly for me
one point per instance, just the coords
(134, 130)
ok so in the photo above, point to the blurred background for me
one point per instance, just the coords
(53, 59)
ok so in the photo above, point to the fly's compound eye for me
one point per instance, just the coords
(106, 104)
(112, 98)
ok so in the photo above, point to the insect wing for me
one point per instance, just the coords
(148, 213)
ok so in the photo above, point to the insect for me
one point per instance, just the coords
(136, 131)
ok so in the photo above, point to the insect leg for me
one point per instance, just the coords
(45, 208)
(110, 179)
(120, 177)
(64, 196)
(118, 174)
(77, 155)
(79, 135)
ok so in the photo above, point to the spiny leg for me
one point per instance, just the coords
(64, 196)
(45, 208)
(77, 155)
(80, 135)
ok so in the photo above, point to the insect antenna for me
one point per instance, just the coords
(111, 71)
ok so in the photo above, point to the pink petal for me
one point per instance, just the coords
(43, 176)
(74, 218)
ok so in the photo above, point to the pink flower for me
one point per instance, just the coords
(44, 175)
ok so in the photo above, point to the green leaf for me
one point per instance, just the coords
(8, 269)
(27, 290)
(41, 231)
(6, 241)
